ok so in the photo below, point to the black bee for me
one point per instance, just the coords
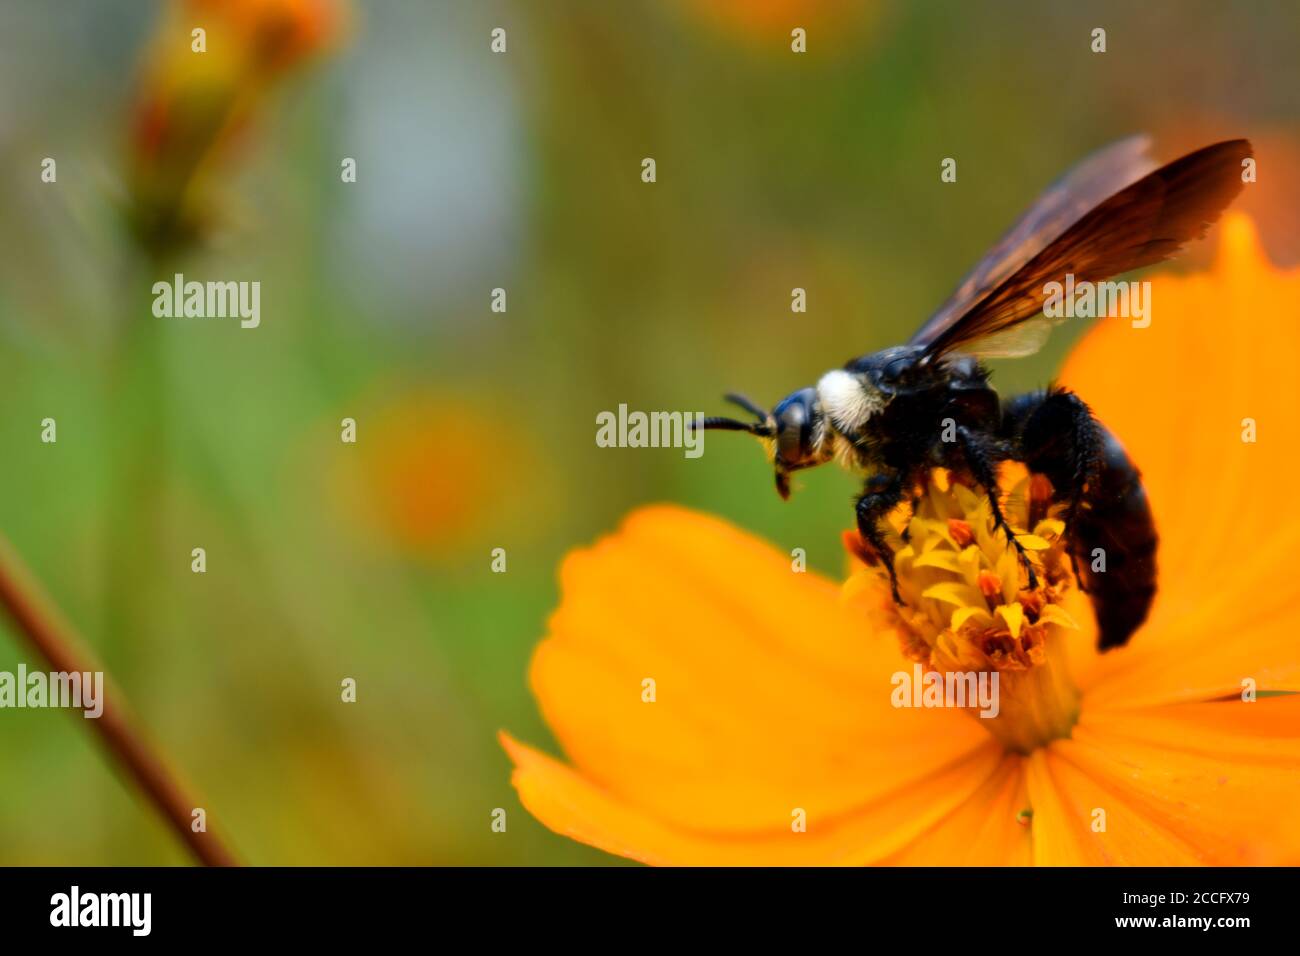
(899, 412)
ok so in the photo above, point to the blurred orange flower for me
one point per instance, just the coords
(772, 691)
(421, 480)
(191, 105)
(769, 22)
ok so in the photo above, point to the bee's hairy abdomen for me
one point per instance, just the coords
(1111, 534)
(1114, 525)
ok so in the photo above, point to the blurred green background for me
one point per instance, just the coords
(476, 429)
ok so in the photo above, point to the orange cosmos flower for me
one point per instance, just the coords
(429, 486)
(773, 737)
(418, 483)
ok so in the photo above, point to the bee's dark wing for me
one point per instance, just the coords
(1144, 223)
(1062, 204)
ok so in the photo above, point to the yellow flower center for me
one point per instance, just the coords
(970, 614)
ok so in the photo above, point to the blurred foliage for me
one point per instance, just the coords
(476, 429)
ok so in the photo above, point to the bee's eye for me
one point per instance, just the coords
(794, 427)
(789, 436)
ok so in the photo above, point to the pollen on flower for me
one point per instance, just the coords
(967, 603)
(990, 584)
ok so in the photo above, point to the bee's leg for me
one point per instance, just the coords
(982, 462)
(1054, 433)
(880, 495)
(907, 528)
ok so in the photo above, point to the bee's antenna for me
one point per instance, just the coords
(747, 404)
(731, 425)
(763, 428)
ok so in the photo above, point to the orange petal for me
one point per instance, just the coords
(770, 693)
(1221, 348)
(574, 806)
(1207, 783)
(986, 830)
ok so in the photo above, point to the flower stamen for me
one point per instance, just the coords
(968, 607)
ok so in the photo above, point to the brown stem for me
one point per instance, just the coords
(55, 641)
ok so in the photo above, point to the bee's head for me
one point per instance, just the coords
(792, 432)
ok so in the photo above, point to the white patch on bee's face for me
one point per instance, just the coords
(847, 400)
